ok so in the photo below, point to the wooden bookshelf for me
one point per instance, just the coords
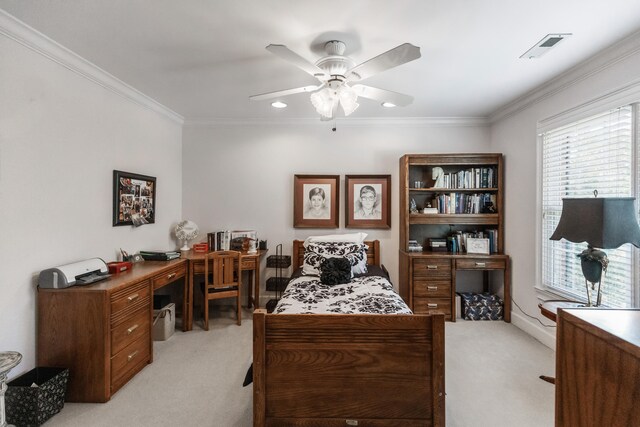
(427, 279)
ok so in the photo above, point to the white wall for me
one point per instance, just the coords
(241, 176)
(591, 85)
(61, 137)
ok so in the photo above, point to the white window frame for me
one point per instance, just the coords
(629, 94)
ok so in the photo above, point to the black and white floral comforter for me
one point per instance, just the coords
(362, 295)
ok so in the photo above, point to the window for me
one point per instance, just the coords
(597, 153)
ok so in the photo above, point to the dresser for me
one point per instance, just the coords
(598, 367)
(102, 332)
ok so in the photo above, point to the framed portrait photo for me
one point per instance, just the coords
(368, 201)
(316, 201)
(134, 199)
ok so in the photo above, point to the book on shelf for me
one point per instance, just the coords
(481, 177)
(159, 255)
(219, 240)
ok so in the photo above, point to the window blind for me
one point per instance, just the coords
(596, 153)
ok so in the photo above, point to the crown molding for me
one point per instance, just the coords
(596, 64)
(342, 122)
(31, 38)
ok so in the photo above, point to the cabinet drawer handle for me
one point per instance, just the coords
(432, 288)
(171, 276)
(432, 305)
(432, 267)
(131, 329)
(481, 264)
(132, 355)
(133, 297)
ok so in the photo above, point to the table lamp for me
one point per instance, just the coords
(8, 361)
(605, 223)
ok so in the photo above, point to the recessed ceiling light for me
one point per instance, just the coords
(278, 104)
(388, 104)
(543, 46)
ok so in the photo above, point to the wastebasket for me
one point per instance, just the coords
(35, 396)
(164, 322)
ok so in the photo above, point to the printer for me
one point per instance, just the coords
(77, 273)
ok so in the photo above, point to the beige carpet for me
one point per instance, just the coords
(492, 380)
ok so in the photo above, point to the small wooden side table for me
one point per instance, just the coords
(549, 309)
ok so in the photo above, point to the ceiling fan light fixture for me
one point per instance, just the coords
(278, 104)
(348, 99)
(323, 101)
(388, 104)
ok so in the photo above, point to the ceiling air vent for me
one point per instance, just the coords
(544, 45)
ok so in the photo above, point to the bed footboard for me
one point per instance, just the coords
(348, 370)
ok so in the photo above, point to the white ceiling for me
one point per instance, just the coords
(204, 58)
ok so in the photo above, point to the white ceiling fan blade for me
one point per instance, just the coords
(288, 55)
(382, 95)
(392, 58)
(286, 92)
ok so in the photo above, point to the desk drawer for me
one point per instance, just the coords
(169, 276)
(133, 327)
(432, 288)
(128, 361)
(131, 296)
(432, 268)
(480, 264)
(432, 305)
(248, 263)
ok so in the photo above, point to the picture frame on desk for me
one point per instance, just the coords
(134, 198)
(316, 201)
(368, 201)
(478, 246)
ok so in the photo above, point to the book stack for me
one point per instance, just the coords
(414, 246)
(159, 255)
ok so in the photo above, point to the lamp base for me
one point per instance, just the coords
(593, 262)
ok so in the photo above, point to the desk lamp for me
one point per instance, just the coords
(604, 223)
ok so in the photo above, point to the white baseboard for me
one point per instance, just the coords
(546, 336)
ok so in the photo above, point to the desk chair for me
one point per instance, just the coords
(223, 281)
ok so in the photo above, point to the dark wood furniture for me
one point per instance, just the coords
(549, 309)
(223, 280)
(427, 279)
(249, 262)
(348, 369)
(598, 367)
(102, 332)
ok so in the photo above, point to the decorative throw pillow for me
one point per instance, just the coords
(335, 271)
(314, 254)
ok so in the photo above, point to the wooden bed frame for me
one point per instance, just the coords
(348, 369)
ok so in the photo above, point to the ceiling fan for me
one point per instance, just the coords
(338, 73)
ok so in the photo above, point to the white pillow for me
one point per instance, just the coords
(349, 237)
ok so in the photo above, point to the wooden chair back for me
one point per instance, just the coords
(222, 281)
(224, 272)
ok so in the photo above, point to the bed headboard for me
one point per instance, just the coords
(373, 253)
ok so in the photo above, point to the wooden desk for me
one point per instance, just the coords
(248, 262)
(598, 367)
(428, 279)
(102, 332)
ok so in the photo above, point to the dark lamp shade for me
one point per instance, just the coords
(602, 222)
